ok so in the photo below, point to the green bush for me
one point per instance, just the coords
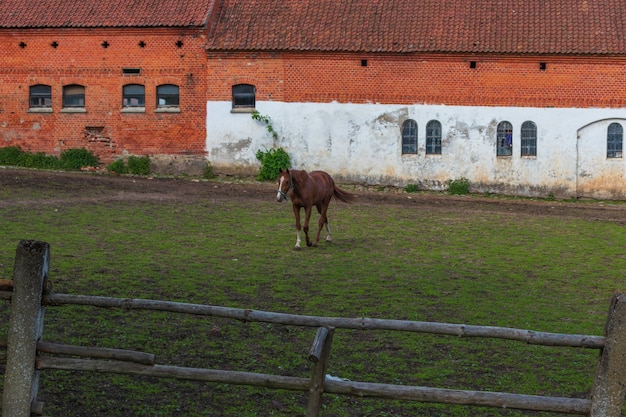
(71, 159)
(139, 165)
(136, 165)
(118, 166)
(272, 161)
(12, 155)
(459, 186)
(40, 160)
(208, 173)
(78, 158)
(411, 188)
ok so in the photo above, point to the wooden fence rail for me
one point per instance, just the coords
(29, 298)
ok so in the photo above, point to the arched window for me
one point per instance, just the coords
(134, 95)
(433, 137)
(614, 140)
(409, 137)
(73, 96)
(528, 146)
(40, 96)
(167, 95)
(244, 96)
(504, 139)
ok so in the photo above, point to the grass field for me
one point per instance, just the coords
(444, 260)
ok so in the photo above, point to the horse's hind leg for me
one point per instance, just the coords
(328, 235)
(323, 222)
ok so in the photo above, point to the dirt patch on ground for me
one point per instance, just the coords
(78, 187)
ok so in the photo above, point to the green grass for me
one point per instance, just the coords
(541, 273)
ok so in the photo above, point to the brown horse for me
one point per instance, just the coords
(307, 190)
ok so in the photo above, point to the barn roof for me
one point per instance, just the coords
(393, 26)
(103, 13)
(401, 26)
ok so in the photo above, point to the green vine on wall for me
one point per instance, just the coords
(267, 121)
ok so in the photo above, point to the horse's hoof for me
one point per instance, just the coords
(296, 248)
(314, 245)
(309, 244)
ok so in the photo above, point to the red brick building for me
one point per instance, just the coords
(519, 97)
(113, 77)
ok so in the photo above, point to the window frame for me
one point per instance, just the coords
(127, 96)
(528, 139)
(614, 141)
(69, 96)
(433, 137)
(502, 148)
(409, 137)
(171, 100)
(41, 99)
(243, 97)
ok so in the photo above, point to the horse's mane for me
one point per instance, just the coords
(298, 175)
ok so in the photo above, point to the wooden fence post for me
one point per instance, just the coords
(320, 351)
(610, 382)
(21, 380)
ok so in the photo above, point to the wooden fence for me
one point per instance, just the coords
(28, 294)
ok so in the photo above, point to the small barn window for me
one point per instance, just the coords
(73, 96)
(131, 71)
(433, 138)
(167, 95)
(528, 145)
(504, 139)
(133, 95)
(40, 96)
(244, 96)
(409, 137)
(614, 140)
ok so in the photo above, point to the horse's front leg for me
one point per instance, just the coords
(296, 213)
(321, 223)
(307, 217)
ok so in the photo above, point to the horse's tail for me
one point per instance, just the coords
(342, 195)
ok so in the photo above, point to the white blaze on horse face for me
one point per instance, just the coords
(279, 194)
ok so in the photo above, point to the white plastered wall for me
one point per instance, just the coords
(362, 143)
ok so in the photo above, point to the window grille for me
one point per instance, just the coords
(74, 96)
(614, 140)
(134, 96)
(409, 137)
(40, 96)
(433, 137)
(528, 146)
(167, 95)
(504, 139)
(244, 96)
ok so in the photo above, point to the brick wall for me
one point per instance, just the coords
(177, 56)
(434, 79)
(95, 59)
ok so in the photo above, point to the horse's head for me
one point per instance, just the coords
(284, 184)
